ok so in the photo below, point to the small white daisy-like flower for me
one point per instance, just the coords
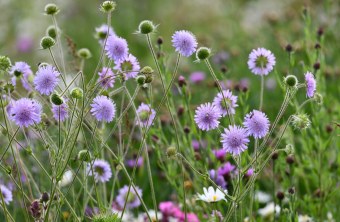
(211, 196)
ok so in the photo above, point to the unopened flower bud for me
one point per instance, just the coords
(290, 159)
(146, 70)
(203, 53)
(84, 155)
(44, 197)
(291, 81)
(56, 99)
(47, 42)
(108, 6)
(171, 151)
(280, 195)
(318, 99)
(181, 81)
(77, 93)
(146, 27)
(301, 121)
(5, 63)
(51, 31)
(140, 79)
(84, 53)
(51, 9)
(289, 149)
(289, 48)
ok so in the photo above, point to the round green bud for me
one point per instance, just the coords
(84, 53)
(84, 155)
(56, 99)
(146, 70)
(77, 93)
(301, 121)
(171, 151)
(140, 79)
(148, 79)
(47, 42)
(289, 149)
(42, 64)
(291, 81)
(5, 63)
(51, 9)
(203, 53)
(108, 6)
(318, 98)
(146, 27)
(51, 31)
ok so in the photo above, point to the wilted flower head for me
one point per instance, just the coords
(132, 199)
(301, 121)
(46, 79)
(103, 31)
(25, 112)
(261, 61)
(211, 196)
(6, 194)
(146, 115)
(106, 78)
(184, 42)
(129, 66)
(23, 70)
(100, 169)
(103, 109)
(257, 124)
(116, 48)
(225, 102)
(234, 140)
(60, 113)
(206, 116)
(310, 84)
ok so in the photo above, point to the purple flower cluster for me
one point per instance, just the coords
(60, 112)
(103, 109)
(257, 124)
(172, 212)
(131, 197)
(106, 78)
(184, 42)
(116, 48)
(102, 32)
(261, 61)
(129, 66)
(46, 79)
(6, 194)
(100, 169)
(23, 71)
(235, 139)
(146, 115)
(310, 84)
(25, 112)
(223, 174)
(206, 117)
(225, 102)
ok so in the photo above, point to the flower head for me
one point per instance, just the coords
(206, 117)
(146, 115)
(257, 124)
(102, 32)
(211, 196)
(46, 79)
(116, 48)
(23, 70)
(310, 84)
(225, 102)
(106, 78)
(103, 109)
(197, 77)
(235, 140)
(100, 169)
(217, 178)
(184, 42)
(261, 61)
(25, 112)
(131, 198)
(226, 170)
(60, 112)
(6, 194)
(129, 65)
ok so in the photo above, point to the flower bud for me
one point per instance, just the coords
(47, 42)
(148, 79)
(181, 81)
(290, 159)
(203, 53)
(56, 99)
(318, 99)
(84, 155)
(289, 149)
(51, 9)
(5, 63)
(289, 48)
(291, 81)
(280, 195)
(146, 27)
(51, 31)
(291, 190)
(108, 6)
(146, 70)
(301, 121)
(84, 53)
(140, 79)
(77, 93)
(171, 151)
(160, 40)
(44, 197)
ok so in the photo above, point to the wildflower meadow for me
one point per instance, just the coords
(170, 111)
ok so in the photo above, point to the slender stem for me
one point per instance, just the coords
(262, 89)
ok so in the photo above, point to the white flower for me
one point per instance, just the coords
(66, 179)
(211, 195)
(269, 210)
(304, 218)
(262, 197)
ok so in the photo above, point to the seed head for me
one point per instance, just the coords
(47, 42)
(84, 53)
(51, 9)
(108, 6)
(291, 81)
(203, 53)
(146, 27)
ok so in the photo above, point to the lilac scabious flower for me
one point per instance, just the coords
(218, 179)
(261, 61)
(197, 145)
(46, 79)
(197, 77)
(235, 139)
(220, 154)
(103, 109)
(131, 198)
(116, 48)
(23, 70)
(106, 78)
(146, 115)
(60, 112)
(103, 31)
(101, 170)
(6, 194)
(25, 112)
(249, 172)
(310, 84)
(129, 66)
(184, 42)
(206, 116)
(225, 102)
(226, 170)
(256, 124)
(131, 162)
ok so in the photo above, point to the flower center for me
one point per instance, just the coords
(261, 61)
(99, 170)
(17, 73)
(102, 35)
(126, 66)
(131, 197)
(214, 198)
(144, 115)
(226, 103)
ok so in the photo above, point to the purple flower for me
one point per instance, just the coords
(206, 117)
(116, 48)
(226, 170)
(256, 124)
(146, 115)
(106, 78)
(100, 169)
(103, 109)
(261, 61)
(225, 102)
(131, 198)
(310, 84)
(102, 31)
(184, 42)
(21, 70)
(46, 79)
(6, 194)
(129, 66)
(220, 154)
(131, 162)
(60, 112)
(249, 172)
(221, 57)
(198, 144)
(235, 139)
(25, 112)
(218, 179)
(197, 77)
(24, 44)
